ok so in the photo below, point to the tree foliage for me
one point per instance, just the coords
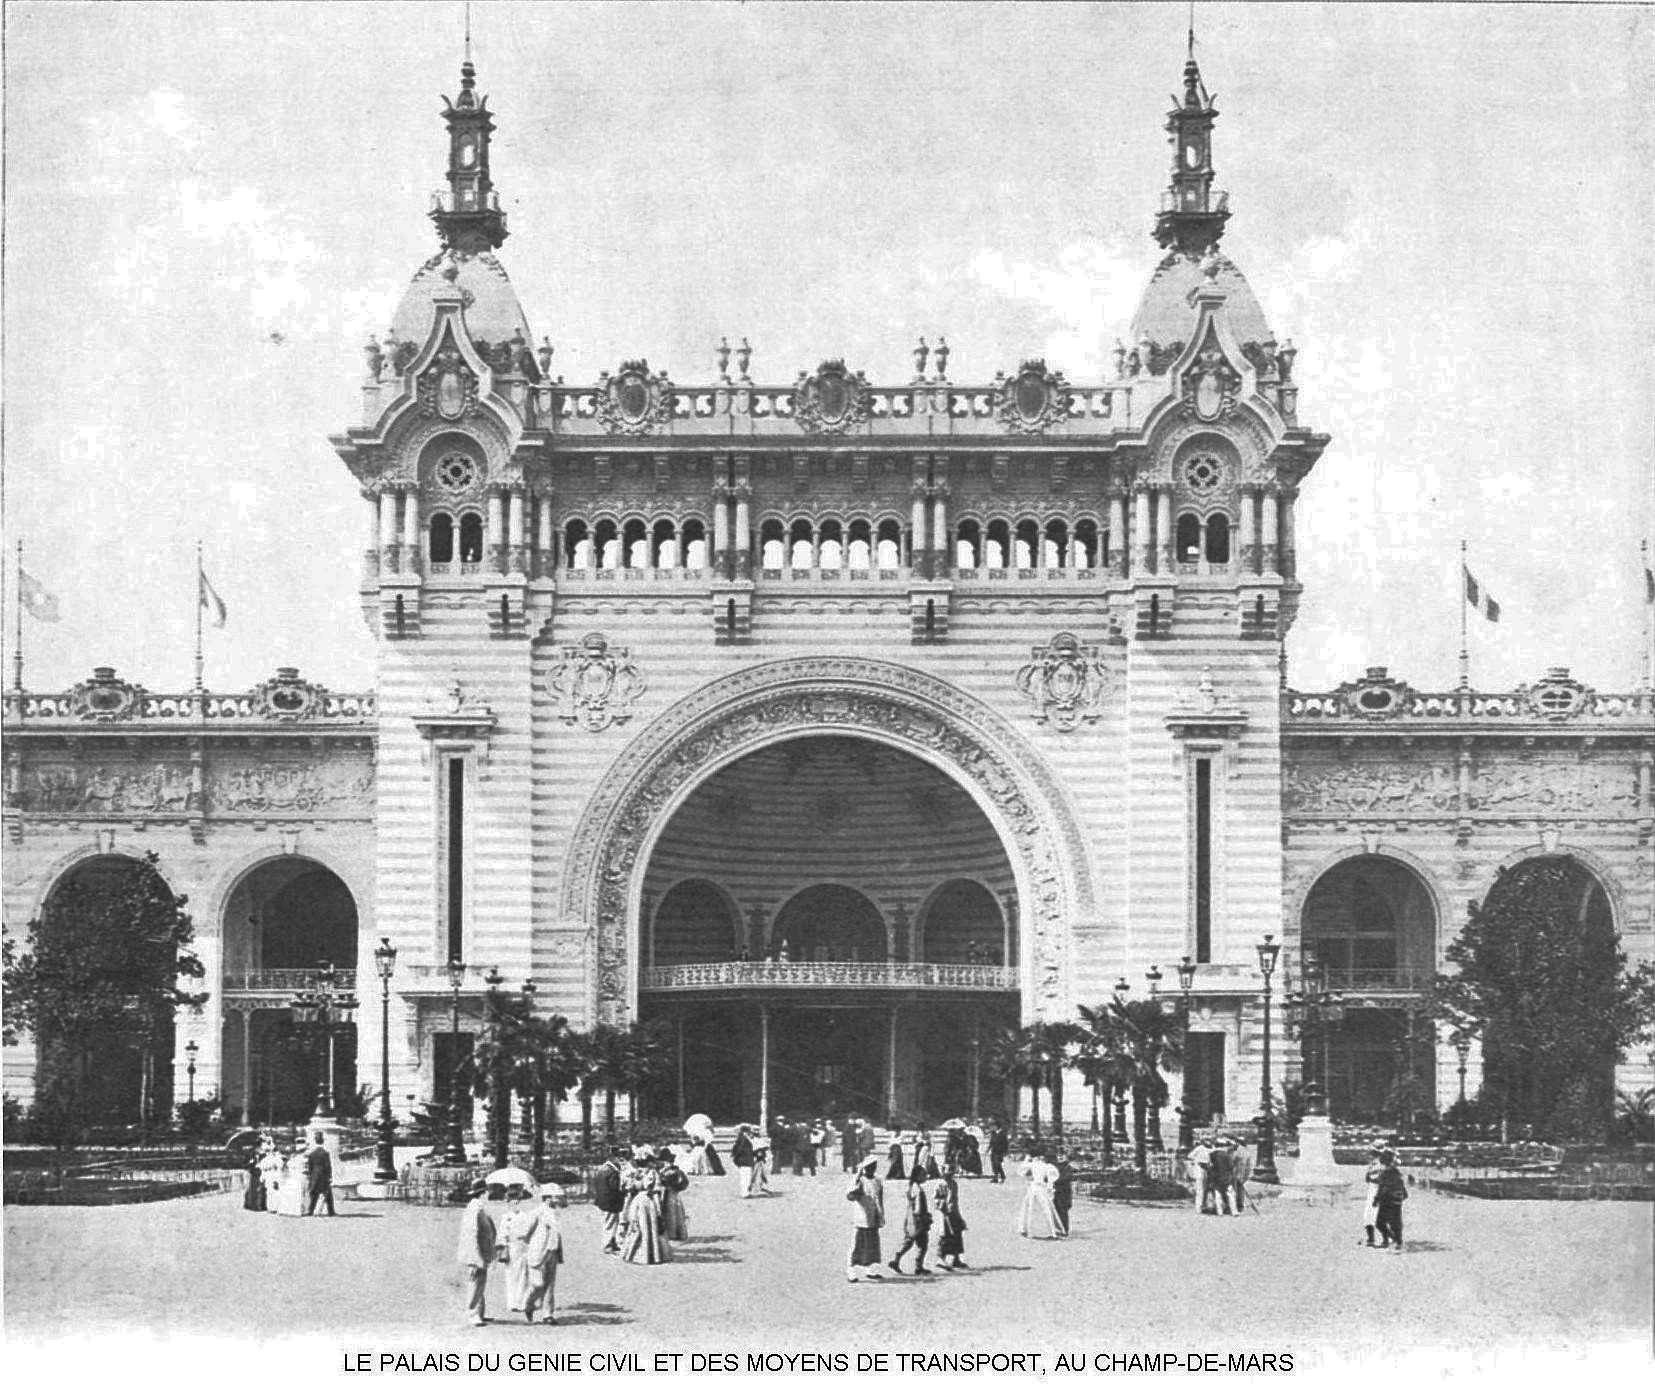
(1548, 992)
(101, 973)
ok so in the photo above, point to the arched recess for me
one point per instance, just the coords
(963, 922)
(611, 845)
(696, 921)
(282, 916)
(829, 923)
(1595, 872)
(124, 1083)
(1371, 920)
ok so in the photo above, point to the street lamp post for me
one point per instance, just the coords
(499, 1105)
(454, 1152)
(531, 1098)
(1122, 988)
(192, 1048)
(385, 1163)
(1186, 1122)
(1265, 1169)
(326, 1005)
(1462, 1047)
(1153, 976)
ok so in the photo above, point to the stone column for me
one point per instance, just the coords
(545, 540)
(1075, 566)
(387, 531)
(1289, 543)
(514, 529)
(721, 530)
(1249, 534)
(939, 529)
(890, 1070)
(496, 547)
(916, 544)
(744, 533)
(1163, 530)
(410, 530)
(1115, 561)
(1268, 503)
(1140, 528)
(764, 1073)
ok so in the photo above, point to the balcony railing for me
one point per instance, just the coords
(887, 976)
(1376, 979)
(286, 979)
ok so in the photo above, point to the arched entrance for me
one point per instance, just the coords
(1545, 945)
(284, 920)
(1369, 934)
(111, 1075)
(789, 968)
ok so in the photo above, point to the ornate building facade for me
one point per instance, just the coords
(835, 722)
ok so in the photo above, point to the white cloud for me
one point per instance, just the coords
(170, 114)
(1092, 288)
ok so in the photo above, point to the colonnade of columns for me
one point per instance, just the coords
(520, 534)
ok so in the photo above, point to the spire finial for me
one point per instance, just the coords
(1190, 55)
(468, 28)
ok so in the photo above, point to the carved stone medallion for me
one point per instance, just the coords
(596, 684)
(831, 400)
(1211, 385)
(1064, 681)
(448, 388)
(1033, 400)
(634, 401)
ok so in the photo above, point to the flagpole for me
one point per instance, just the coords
(199, 661)
(17, 652)
(1649, 619)
(1465, 649)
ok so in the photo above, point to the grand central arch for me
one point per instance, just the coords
(954, 757)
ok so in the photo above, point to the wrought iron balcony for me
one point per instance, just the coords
(266, 979)
(1379, 980)
(876, 976)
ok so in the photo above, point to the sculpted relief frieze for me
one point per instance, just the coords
(269, 786)
(1557, 788)
(1357, 789)
(133, 788)
(755, 707)
(1550, 788)
(108, 789)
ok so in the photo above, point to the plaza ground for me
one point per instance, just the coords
(1478, 1279)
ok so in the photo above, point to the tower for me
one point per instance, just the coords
(1192, 214)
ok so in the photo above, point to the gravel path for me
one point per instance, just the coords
(768, 1274)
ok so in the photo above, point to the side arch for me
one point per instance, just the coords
(881, 701)
(1594, 865)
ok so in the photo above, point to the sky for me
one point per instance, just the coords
(209, 207)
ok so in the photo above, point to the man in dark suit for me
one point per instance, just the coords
(318, 1176)
(998, 1144)
(608, 1199)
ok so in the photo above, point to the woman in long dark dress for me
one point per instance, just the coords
(945, 1207)
(895, 1170)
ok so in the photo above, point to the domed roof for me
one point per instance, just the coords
(1165, 314)
(492, 313)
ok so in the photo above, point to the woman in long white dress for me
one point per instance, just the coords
(644, 1244)
(517, 1230)
(292, 1201)
(1038, 1216)
(270, 1171)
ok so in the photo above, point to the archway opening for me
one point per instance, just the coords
(105, 1068)
(284, 920)
(1369, 933)
(809, 861)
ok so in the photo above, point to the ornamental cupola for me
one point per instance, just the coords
(468, 216)
(1193, 213)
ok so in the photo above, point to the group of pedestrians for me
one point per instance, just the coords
(641, 1202)
(1386, 1192)
(1221, 1168)
(528, 1242)
(294, 1182)
(930, 1203)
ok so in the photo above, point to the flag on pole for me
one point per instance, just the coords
(1479, 598)
(40, 602)
(210, 601)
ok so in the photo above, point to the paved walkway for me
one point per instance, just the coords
(768, 1274)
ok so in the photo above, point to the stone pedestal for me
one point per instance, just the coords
(1314, 1173)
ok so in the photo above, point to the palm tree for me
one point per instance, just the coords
(1154, 1035)
(1034, 1056)
(641, 1057)
(1105, 1062)
(547, 1069)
